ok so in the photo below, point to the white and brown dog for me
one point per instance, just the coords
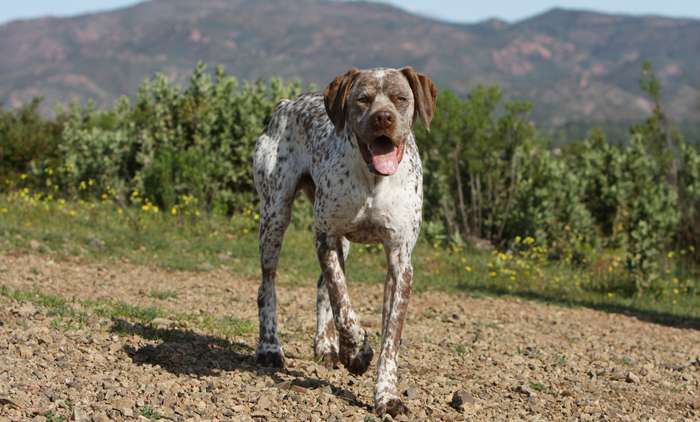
(353, 152)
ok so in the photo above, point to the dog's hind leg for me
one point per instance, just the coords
(326, 339)
(276, 179)
(274, 220)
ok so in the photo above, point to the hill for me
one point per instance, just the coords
(576, 66)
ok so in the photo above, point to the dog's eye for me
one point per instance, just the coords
(402, 99)
(364, 99)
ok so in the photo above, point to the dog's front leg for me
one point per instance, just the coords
(397, 292)
(355, 351)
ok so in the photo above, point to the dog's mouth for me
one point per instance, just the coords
(382, 155)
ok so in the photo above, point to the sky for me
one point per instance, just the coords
(453, 10)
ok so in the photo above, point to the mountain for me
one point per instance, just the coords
(576, 66)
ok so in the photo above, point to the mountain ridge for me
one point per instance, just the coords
(573, 65)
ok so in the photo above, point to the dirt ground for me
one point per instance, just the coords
(513, 360)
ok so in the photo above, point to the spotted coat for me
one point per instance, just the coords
(325, 145)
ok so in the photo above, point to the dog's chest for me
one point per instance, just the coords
(382, 216)
(368, 208)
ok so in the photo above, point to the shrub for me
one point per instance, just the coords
(171, 142)
(26, 136)
(488, 172)
(493, 177)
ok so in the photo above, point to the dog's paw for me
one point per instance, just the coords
(358, 363)
(270, 358)
(392, 406)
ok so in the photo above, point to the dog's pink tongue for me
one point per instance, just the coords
(385, 158)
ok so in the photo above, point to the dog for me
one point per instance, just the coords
(352, 150)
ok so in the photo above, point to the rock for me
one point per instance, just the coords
(124, 407)
(674, 366)
(261, 414)
(4, 401)
(80, 415)
(162, 323)
(25, 352)
(460, 399)
(101, 417)
(631, 378)
(617, 375)
(167, 412)
(206, 267)
(284, 385)
(535, 405)
(326, 389)
(523, 389)
(264, 403)
(410, 393)
(200, 407)
(27, 310)
(298, 389)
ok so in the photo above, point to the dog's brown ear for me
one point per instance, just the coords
(335, 98)
(424, 94)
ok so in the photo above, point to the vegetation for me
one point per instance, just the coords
(168, 179)
(102, 230)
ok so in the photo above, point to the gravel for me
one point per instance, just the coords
(461, 359)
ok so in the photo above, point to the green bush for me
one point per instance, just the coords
(488, 173)
(173, 143)
(689, 200)
(26, 136)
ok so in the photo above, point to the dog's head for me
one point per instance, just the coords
(380, 107)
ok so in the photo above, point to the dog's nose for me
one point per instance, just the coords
(383, 119)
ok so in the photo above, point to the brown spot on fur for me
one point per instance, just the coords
(335, 98)
(424, 93)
